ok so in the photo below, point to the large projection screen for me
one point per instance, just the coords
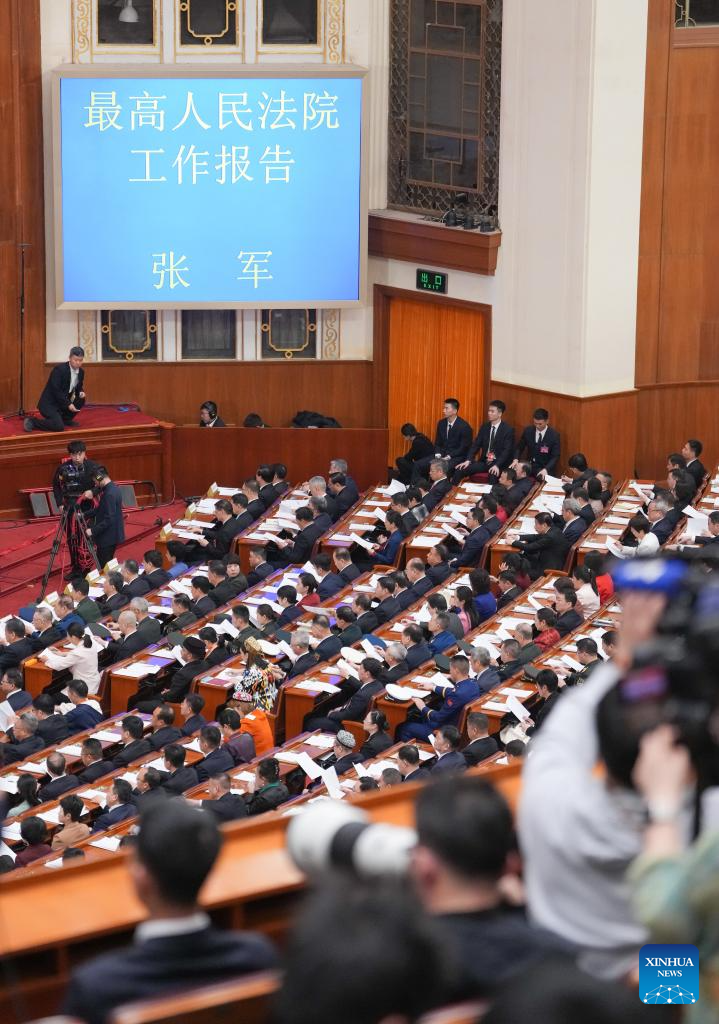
(193, 187)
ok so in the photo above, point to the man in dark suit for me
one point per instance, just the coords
(663, 517)
(452, 441)
(329, 645)
(182, 615)
(691, 451)
(481, 745)
(51, 725)
(45, 633)
(420, 448)
(486, 675)
(300, 644)
(260, 568)
(202, 603)
(108, 527)
(492, 449)
(359, 691)
(344, 491)
(346, 626)
(438, 568)
(346, 569)
(344, 755)
(63, 395)
(209, 416)
(22, 740)
(330, 583)
(441, 484)
(241, 515)
(224, 587)
(223, 804)
(366, 617)
(297, 551)
(94, 767)
(114, 597)
(134, 584)
(158, 692)
(215, 541)
(191, 711)
(251, 490)
(545, 549)
(217, 758)
(322, 519)
(568, 618)
(132, 641)
(133, 743)
(267, 493)
(508, 589)
(419, 581)
(177, 947)
(518, 484)
(474, 542)
(387, 605)
(18, 646)
(148, 628)
(574, 524)
(446, 743)
(177, 776)
(153, 572)
(416, 648)
(540, 445)
(408, 764)
(119, 806)
(58, 781)
(12, 689)
(164, 730)
(524, 635)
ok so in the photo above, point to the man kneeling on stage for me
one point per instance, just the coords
(62, 396)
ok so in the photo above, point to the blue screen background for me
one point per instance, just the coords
(114, 230)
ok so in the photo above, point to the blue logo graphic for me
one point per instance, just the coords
(669, 974)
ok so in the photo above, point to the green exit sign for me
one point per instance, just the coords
(432, 281)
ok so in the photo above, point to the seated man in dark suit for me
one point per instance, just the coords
(417, 650)
(420, 448)
(22, 740)
(481, 745)
(51, 725)
(202, 603)
(408, 761)
(579, 472)
(344, 755)
(216, 758)
(328, 644)
(518, 482)
(344, 492)
(297, 551)
(153, 571)
(387, 606)
(260, 568)
(452, 441)
(346, 626)
(486, 675)
(58, 781)
(222, 803)
(177, 776)
(148, 628)
(243, 518)
(546, 548)
(473, 546)
(691, 450)
(94, 767)
(86, 713)
(119, 806)
(267, 493)
(45, 633)
(438, 568)
(135, 585)
(182, 615)
(113, 598)
(663, 517)
(177, 947)
(330, 583)
(540, 445)
(358, 691)
(367, 619)
(568, 618)
(279, 478)
(129, 640)
(215, 540)
(322, 518)
(449, 761)
(133, 743)
(441, 484)
(574, 524)
(157, 690)
(305, 658)
(492, 449)
(18, 645)
(508, 588)
(164, 730)
(346, 569)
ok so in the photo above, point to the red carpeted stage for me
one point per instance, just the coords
(92, 417)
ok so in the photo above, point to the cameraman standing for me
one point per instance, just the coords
(72, 486)
(108, 529)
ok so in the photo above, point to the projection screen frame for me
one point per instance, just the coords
(206, 71)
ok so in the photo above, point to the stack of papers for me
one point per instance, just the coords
(110, 843)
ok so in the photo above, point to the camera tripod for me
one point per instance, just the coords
(72, 529)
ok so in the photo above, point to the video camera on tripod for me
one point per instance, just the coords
(70, 480)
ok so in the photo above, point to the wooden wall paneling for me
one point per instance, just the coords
(659, 31)
(669, 414)
(436, 347)
(564, 412)
(231, 455)
(174, 391)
